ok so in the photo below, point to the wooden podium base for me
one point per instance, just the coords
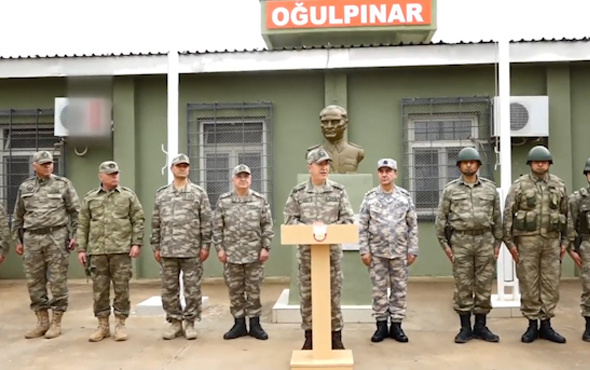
(338, 360)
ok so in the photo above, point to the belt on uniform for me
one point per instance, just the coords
(45, 230)
(472, 232)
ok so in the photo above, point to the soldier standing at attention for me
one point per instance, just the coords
(6, 241)
(109, 235)
(242, 234)
(319, 201)
(469, 229)
(579, 219)
(535, 232)
(388, 239)
(181, 236)
(44, 225)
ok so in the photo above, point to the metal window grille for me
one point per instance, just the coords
(221, 136)
(435, 130)
(22, 133)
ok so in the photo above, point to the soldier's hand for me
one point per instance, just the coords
(1, 259)
(366, 258)
(157, 256)
(514, 252)
(222, 256)
(264, 255)
(576, 257)
(204, 255)
(82, 258)
(72, 245)
(19, 249)
(449, 253)
(134, 252)
(496, 252)
(411, 258)
(561, 252)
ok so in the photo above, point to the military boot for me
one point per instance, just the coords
(189, 330)
(42, 325)
(102, 331)
(465, 334)
(256, 330)
(55, 326)
(396, 332)
(238, 330)
(120, 329)
(308, 344)
(481, 331)
(547, 332)
(586, 335)
(381, 332)
(174, 330)
(337, 340)
(531, 333)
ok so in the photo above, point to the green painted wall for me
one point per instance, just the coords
(372, 98)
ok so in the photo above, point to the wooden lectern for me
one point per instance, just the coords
(322, 356)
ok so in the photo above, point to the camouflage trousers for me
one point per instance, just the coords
(585, 278)
(104, 270)
(538, 271)
(243, 282)
(46, 259)
(192, 274)
(304, 279)
(473, 272)
(393, 274)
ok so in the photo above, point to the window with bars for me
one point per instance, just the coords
(22, 133)
(221, 136)
(435, 130)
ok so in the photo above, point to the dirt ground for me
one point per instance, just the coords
(431, 326)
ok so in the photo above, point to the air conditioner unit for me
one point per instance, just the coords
(529, 116)
(82, 117)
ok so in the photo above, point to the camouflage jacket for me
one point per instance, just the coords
(6, 241)
(110, 221)
(388, 224)
(328, 204)
(181, 221)
(242, 226)
(42, 203)
(536, 207)
(464, 207)
(579, 216)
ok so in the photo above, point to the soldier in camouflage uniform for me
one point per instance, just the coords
(181, 236)
(109, 235)
(6, 241)
(319, 201)
(469, 229)
(388, 238)
(44, 224)
(535, 233)
(579, 247)
(242, 234)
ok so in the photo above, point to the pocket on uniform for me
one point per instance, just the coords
(525, 221)
(555, 222)
(554, 198)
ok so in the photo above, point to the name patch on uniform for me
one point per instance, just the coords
(54, 196)
(332, 199)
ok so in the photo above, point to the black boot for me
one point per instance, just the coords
(531, 333)
(381, 332)
(337, 340)
(396, 332)
(256, 330)
(481, 331)
(465, 334)
(308, 344)
(238, 330)
(547, 332)
(586, 335)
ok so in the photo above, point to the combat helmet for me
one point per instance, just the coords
(468, 154)
(539, 153)
(587, 166)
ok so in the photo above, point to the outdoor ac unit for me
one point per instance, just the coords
(82, 117)
(529, 116)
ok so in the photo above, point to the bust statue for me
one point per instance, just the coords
(345, 155)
